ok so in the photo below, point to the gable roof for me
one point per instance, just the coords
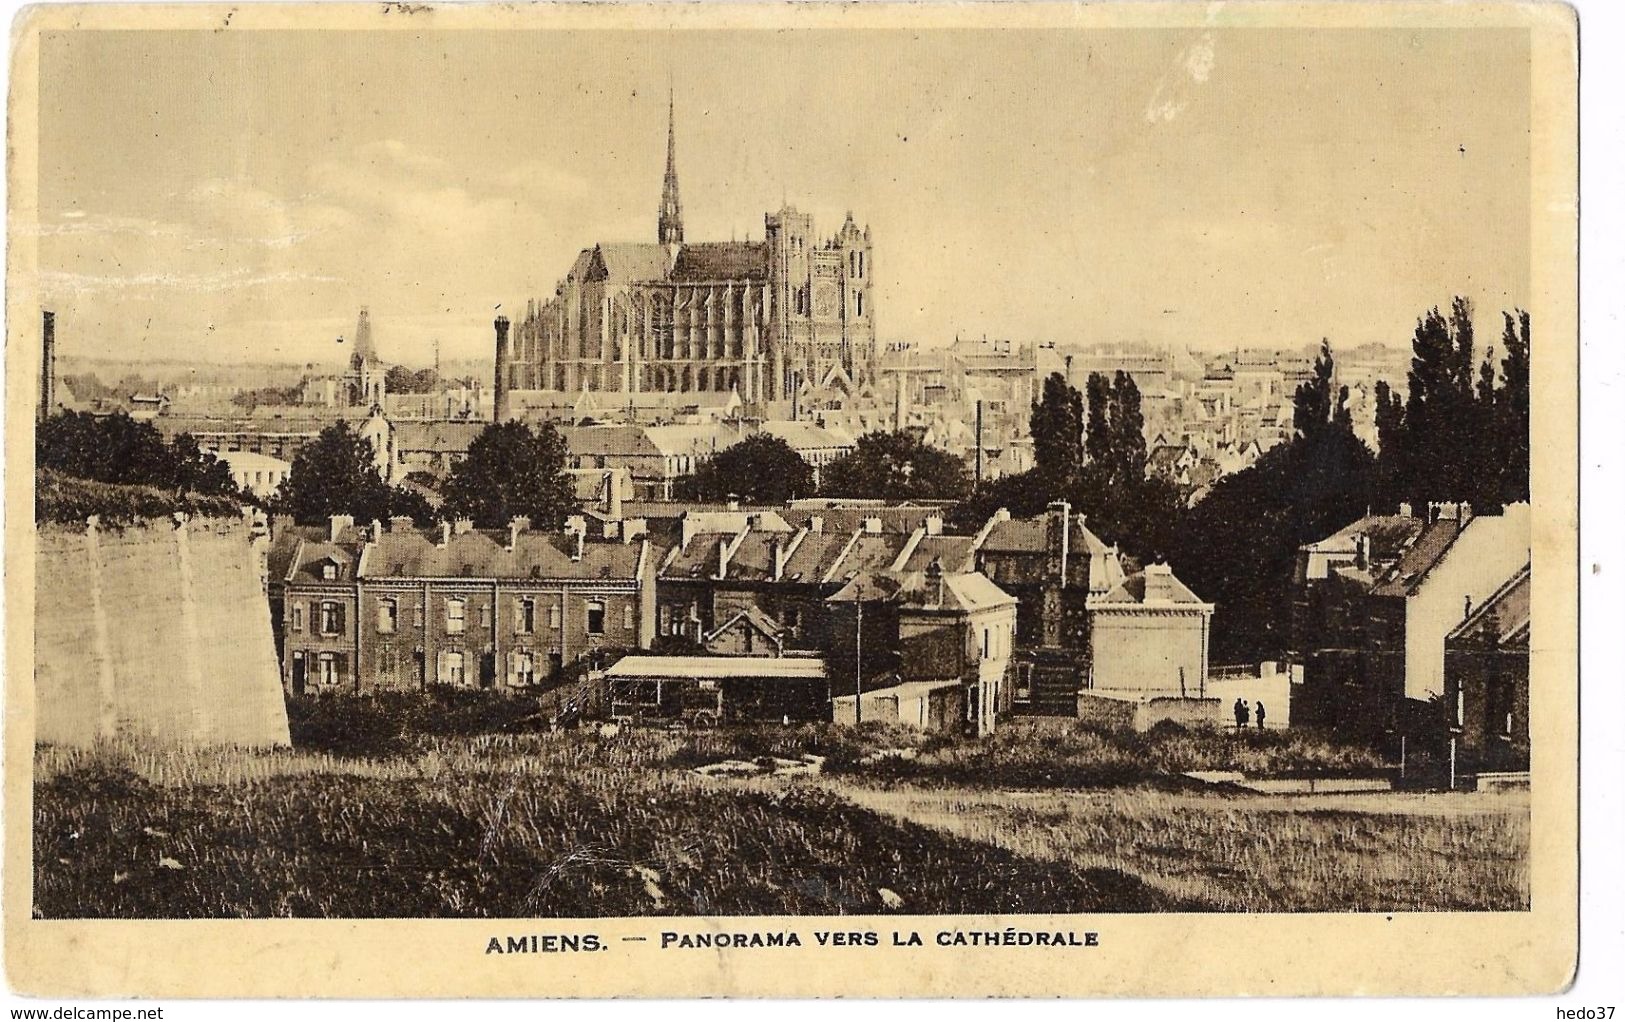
(753, 617)
(1429, 547)
(1502, 620)
(626, 262)
(1156, 585)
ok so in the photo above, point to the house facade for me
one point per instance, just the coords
(400, 609)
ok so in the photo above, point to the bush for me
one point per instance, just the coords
(388, 724)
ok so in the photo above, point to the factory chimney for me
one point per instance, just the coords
(499, 409)
(47, 378)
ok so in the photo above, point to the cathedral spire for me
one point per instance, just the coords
(671, 207)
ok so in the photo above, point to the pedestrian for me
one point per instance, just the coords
(1259, 713)
(1241, 713)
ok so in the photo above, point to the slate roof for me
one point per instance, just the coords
(313, 553)
(721, 260)
(954, 553)
(967, 591)
(1411, 569)
(1152, 586)
(1500, 621)
(1389, 535)
(437, 437)
(484, 554)
(625, 262)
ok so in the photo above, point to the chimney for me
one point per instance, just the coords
(499, 410)
(1158, 583)
(576, 525)
(933, 525)
(515, 527)
(933, 583)
(1405, 511)
(377, 530)
(400, 523)
(445, 535)
(816, 524)
(733, 502)
(462, 526)
(1060, 519)
(872, 526)
(47, 378)
(634, 528)
(1362, 556)
(612, 488)
(336, 524)
(978, 443)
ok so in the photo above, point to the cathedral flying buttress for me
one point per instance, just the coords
(759, 318)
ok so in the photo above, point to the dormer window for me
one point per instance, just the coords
(330, 570)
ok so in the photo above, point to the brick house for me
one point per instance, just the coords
(1486, 678)
(400, 609)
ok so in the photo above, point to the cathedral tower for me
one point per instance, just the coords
(671, 207)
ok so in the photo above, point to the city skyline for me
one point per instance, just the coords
(443, 175)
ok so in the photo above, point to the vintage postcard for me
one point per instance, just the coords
(794, 499)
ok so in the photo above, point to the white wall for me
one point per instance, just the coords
(1482, 558)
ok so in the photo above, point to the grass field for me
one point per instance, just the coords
(1255, 853)
(458, 808)
(555, 825)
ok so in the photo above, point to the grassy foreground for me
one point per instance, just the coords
(547, 825)
(1256, 853)
(454, 804)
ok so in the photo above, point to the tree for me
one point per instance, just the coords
(335, 475)
(512, 472)
(896, 466)
(1023, 494)
(1057, 431)
(1312, 403)
(1512, 410)
(760, 469)
(401, 380)
(1097, 439)
(118, 449)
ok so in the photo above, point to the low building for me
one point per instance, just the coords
(1149, 637)
(709, 690)
(1486, 678)
(259, 474)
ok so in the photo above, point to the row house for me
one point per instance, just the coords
(391, 608)
(1486, 680)
(1374, 603)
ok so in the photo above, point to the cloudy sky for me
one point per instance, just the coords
(241, 194)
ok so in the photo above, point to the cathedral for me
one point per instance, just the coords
(763, 318)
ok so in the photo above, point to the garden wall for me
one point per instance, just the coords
(159, 630)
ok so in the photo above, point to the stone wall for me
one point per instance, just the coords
(160, 630)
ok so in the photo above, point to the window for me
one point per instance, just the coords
(527, 616)
(626, 617)
(792, 621)
(454, 668)
(330, 570)
(485, 616)
(1461, 707)
(330, 668)
(858, 296)
(332, 619)
(387, 611)
(663, 619)
(554, 616)
(524, 668)
(388, 666)
(417, 616)
(986, 642)
(296, 619)
(595, 617)
(454, 616)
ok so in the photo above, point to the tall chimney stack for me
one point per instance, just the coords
(47, 379)
(499, 409)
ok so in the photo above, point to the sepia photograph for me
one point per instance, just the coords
(747, 477)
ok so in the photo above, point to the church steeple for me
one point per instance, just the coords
(671, 207)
